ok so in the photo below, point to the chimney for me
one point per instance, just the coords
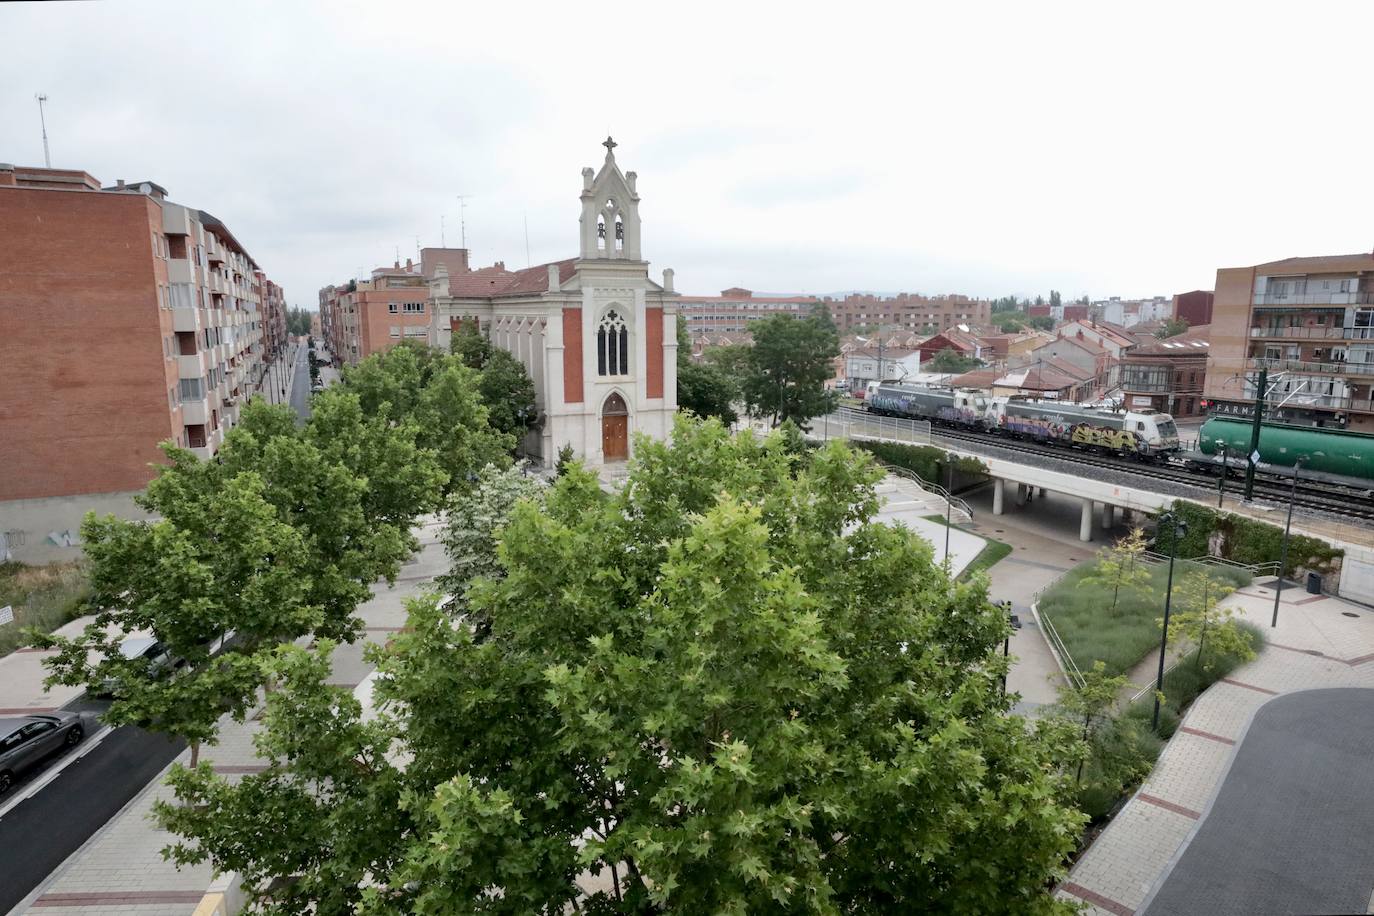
(667, 279)
(409, 264)
(500, 265)
(119, 185)
(553, 278)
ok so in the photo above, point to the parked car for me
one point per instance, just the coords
(145, 647)
(28, 740)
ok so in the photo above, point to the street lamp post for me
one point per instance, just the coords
(1178, 527)
(1287, 528)
(1221, 481)
(949, 502)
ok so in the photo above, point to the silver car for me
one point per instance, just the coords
(28, 740)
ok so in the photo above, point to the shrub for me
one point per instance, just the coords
(925, 461)
(1120, 638)
(1245, 540)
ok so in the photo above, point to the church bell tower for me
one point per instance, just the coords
(610, 211)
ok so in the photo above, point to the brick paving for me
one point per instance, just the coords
(1315, 645)
(121, 868)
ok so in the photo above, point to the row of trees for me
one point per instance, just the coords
(298, 321)
(722, 688)
(781, 376)
(280, 536)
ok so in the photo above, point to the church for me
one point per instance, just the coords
(595, 333)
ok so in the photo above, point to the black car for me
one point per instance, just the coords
(28, 740)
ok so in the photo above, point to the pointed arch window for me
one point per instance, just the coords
(613, 345)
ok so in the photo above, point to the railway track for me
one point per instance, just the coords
(1317, 499)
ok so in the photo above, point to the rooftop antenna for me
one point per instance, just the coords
(527, 240)
(443, 241)
(417, 249)
(462, 216)
(47, 160)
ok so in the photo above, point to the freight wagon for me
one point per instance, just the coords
(1333, 455)
(964, 409)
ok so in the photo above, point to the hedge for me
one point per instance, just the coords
(1245, 540)
(925, 461)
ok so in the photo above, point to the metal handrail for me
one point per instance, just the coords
(1058, 648)
(958, 504)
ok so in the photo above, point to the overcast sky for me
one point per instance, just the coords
(1098, 148)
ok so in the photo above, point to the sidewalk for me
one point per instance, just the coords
(22, 673)
(1319, 642)
(121, 869)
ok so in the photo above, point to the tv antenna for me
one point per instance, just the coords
(462, 217)
(443, 242)
(527, 240)
(43, 121)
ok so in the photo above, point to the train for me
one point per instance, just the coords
(1143, 434)
(1335, 456)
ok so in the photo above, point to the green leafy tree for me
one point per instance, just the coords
(1055, 299)
(789, 363)
(702, 388)
(506, 388)
(1005, 304)
(732, 360)
(353, 537)
(1120, 566)
(723, 688)
(1042, 323)
(474, 522)
(1009, 322)
(1172, 328)
(1092, 701)
(298, 321)
(217, 562)
(950, 360)
(1202, 621)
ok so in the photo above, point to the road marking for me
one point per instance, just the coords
(53, 772)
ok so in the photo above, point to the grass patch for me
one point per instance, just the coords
(1092, 631)
(1186, 682)
(993, 552)
(42, 596)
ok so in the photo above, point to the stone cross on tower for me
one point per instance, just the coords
(610, 145)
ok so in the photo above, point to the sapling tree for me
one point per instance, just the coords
(1120, 566)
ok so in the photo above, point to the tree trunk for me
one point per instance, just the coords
(195, 753)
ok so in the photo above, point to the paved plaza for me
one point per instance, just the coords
(1320, 643)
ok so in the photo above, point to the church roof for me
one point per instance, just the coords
(496, 281)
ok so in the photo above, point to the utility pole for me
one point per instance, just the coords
(462, 217)
(43, 122)
(1250, 458)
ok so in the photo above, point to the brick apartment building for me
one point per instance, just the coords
(733, 310)
(1310, 322)
(1165, 375)
(126, 320)
(1194, 307)
(362, 317)
(927, 314)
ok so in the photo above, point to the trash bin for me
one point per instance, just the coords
(1314, 584)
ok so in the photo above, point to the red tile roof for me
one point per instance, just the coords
(494, 282)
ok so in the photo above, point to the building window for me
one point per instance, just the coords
(192, 389)
(417, 330)
(415, 308)
(391, 308)
(613, 346)
(395, 330)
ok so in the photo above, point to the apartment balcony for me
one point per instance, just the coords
(180, 270)
(175, 220)
(216, 283)
(1337, 369)
(1277, 333)
(1323, 297)
(191, 366)
(193, 412)
(213, 252)
(186, 319)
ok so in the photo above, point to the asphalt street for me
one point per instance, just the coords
(38, 834)
(300, 387)
(1288, 832)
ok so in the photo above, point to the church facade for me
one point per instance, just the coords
(595, 333)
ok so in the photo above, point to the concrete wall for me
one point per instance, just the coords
(48, 530)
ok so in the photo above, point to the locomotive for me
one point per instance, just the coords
(1139, 434)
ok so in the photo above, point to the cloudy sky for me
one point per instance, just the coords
(984, 148)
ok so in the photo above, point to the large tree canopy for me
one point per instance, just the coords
(705, 389)
(789, 364)
(722, 689)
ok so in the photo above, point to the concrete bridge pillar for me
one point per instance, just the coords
(1042, 492)
(1085, 523)
(998, 486)
(1108, 516)
(1021, 490)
